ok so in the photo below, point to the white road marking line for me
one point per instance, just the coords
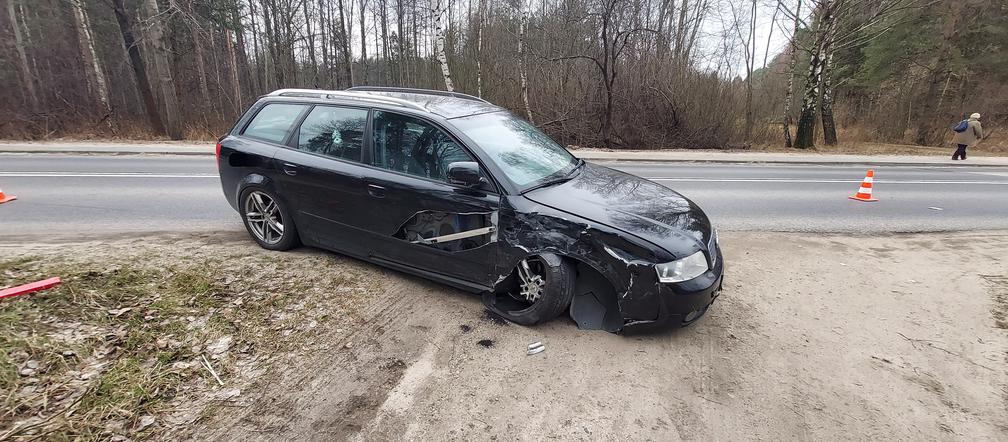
(806, 181)
(104, 175)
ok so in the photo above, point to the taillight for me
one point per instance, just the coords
(217, 152)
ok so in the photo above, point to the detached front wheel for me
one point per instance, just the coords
(543, 289)
(267, 220)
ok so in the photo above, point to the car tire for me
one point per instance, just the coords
(274, 228)
(558, 277)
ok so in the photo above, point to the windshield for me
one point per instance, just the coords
(526, 155)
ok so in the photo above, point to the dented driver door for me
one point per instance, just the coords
(433, 226)
(419, 218)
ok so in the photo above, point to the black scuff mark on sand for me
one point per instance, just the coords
(495, 318)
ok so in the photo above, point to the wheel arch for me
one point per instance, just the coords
(255, 179)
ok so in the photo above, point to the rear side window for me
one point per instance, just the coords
(333, 131)
(274, 121)
(414, 146)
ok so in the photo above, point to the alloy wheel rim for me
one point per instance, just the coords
(264, 217)
(532, 284)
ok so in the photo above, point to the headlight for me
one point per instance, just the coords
(682, 270)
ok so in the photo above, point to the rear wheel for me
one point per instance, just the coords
(267, 220)
(543, 290)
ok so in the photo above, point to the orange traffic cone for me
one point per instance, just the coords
(5, 198)
(864, 193)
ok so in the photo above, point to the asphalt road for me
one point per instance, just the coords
(78, 196)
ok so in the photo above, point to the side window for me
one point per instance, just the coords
(413, 146)
(274, 121)
(333, 131)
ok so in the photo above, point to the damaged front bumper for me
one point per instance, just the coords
(680, 304)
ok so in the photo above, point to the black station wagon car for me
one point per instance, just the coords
(455, 189)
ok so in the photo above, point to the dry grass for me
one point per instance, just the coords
(116, 350)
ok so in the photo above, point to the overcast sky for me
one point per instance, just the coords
(772, 33)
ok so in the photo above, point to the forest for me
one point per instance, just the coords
(621, 74)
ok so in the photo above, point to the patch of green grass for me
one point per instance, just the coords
(130, 321)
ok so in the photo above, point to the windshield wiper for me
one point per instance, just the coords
(559, 179)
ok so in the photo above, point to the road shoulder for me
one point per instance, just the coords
(815, 337)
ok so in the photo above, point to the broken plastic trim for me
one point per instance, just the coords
(456, 236)
(450, 231)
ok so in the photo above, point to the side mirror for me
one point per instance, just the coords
(464, 173)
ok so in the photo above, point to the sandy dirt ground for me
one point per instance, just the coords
(816, 337)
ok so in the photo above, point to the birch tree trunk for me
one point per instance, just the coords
(27, 79)
(826, 101)
(163, 73)
(792, 64)
(440, 20)
(479, 52)
(522, 17)
(805, 135)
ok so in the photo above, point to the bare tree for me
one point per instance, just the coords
(162, 71)
(792, 64)
(27, 79)
(137, 63)
(615, 73)
(95, 75)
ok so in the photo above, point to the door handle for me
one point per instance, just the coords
(290, 169)
(376, 190)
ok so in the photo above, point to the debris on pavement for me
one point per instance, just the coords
(535, 348)
(486, 343)
(29, 288)
(145, 421)
(214, 373)
(935, 208)
(117, 312)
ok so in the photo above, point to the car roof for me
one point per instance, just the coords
(444, 104)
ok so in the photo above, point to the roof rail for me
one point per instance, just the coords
(407, 90)
(319, 93)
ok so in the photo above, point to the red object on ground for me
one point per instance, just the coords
(5, 198)
(28, 288)
(864, 193)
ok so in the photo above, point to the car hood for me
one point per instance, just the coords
(632, 204)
